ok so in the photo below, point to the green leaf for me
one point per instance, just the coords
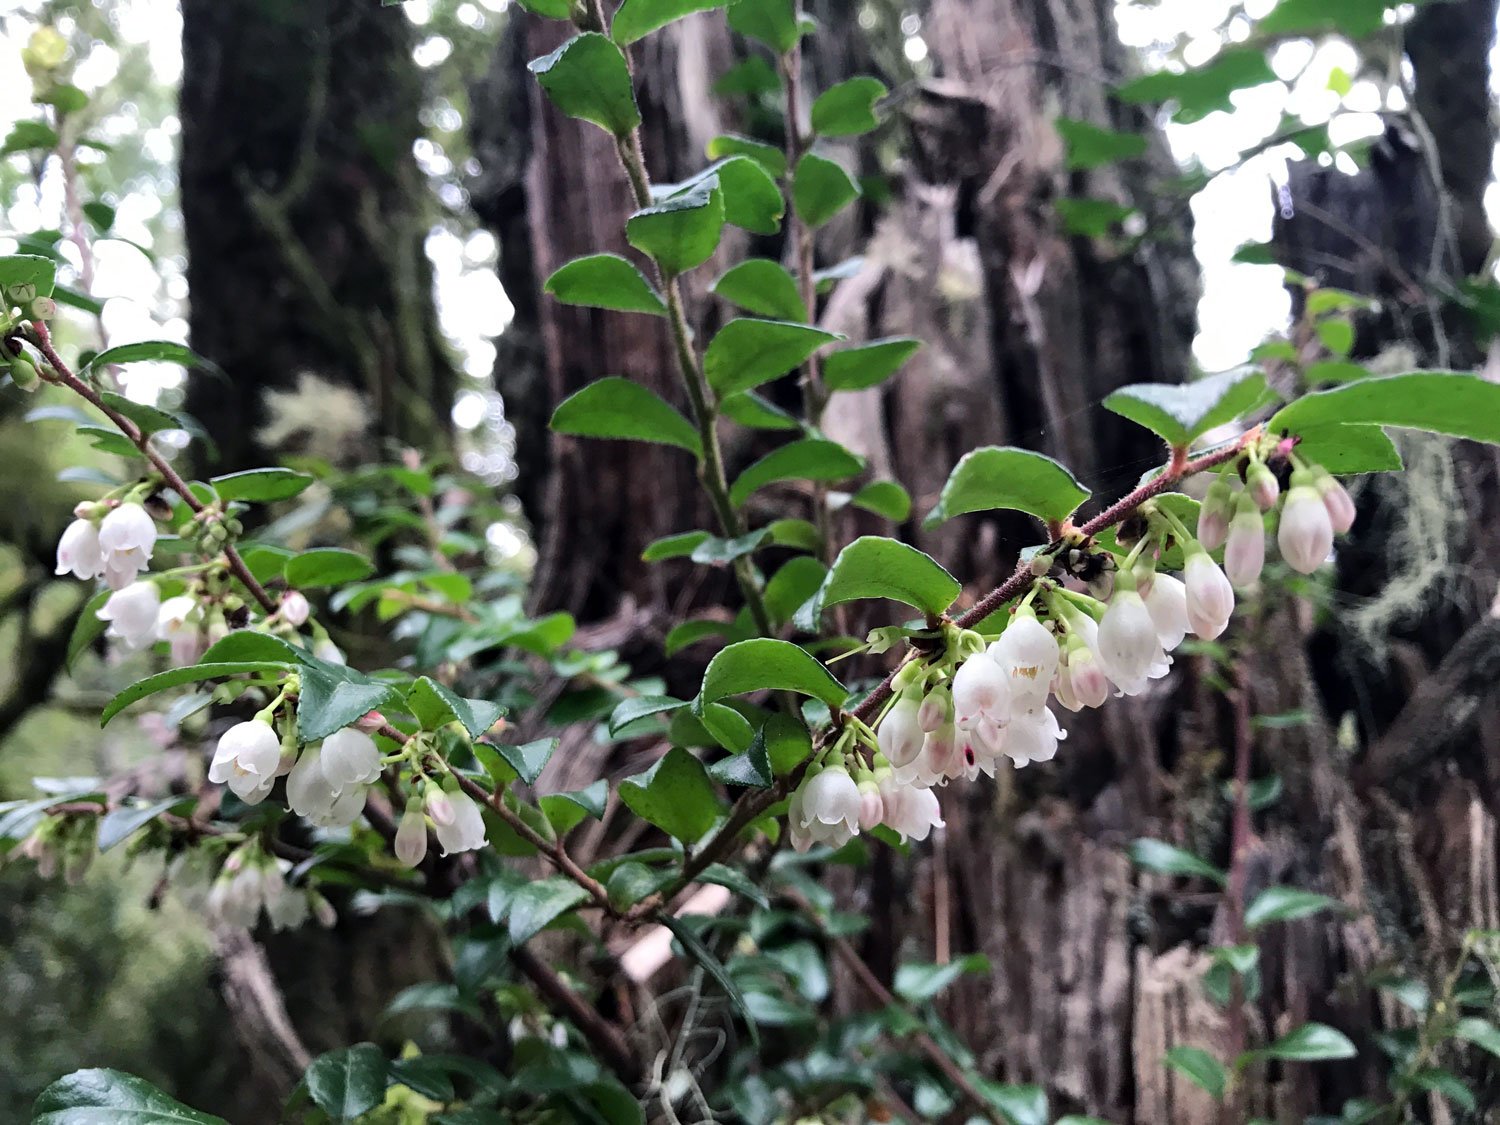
(691, 632)
(1201, 91)
(605, 281)
(1481, 1033)
(724, 725)
(772, 22)
(631, 881)
(587, 77)
(751, 768)
(794, 533)
(676, 795)
(752, 200)
(1164, 858)
(746, 353)
(567, 810)
(791, 586)
(750, 79)
(1008, 478)
(917, 982)
(847, 109)
(1091, 218)
(638, 18)
(1335, 371)
(867, 365)
(111, 1097)
(27, 135)
(714, 551)
(1345, 450)
(736, 881)
(615, 407)
(527, 759)
(423, 1075)
(1445, 1082)
(327, 566)
(120, 824)
(1091, 146)
(769, 157)
(176, 677)
(1019, 1105)
(1354, 18)
(875, 567)
(751, 410)
(162, 351)
(704, 956)
(673, 546)
(434, 705)
(549, 9)
(349, 1081)
(1310, 1043)
(259, 486)
(539, 903)
(40, 271)
(821, 189)
(763, 287)
(148, 419)
(884, 498)
(805, 459)
(1199, 1068)
(1283, 904)
(639, 707)
(1178, 413)
(1440, 402)
(766, 664)
(1337, 335)
(332, 698)
(88, 628)
(683, 231)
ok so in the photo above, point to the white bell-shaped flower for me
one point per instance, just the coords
(942, 758)
(127, 538)
(131, 613)
(798, 831)
(1245, 550)
(344, 810)
(913, 813)
(179, 623)
(900, 733)
(1128, 641)
(466, 833)
(832, 797)
(288, 910)
(1167, 604)
(411, 835)
(78, 551)
(1306, 532)
(1027, 653)
(350, 757)
(309, 793)
(295, 609)
(246, 759)
(1081, 681)
(1033, 737)
(981, 690)
(1210, 597)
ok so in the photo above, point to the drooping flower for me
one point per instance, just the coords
(831, 797)
(411, 835)
(900, 733)
(350, 757)
(127, 538)
(1213, 515)
(287, 909)
(1210, 597)
(131, 613)
(295, 609)
(941, 759)
(466, 833)
(933, 711)
(981, 690)
(1033, 737)
(1081, 681)
(1261, 486)
(913, 813)
(1245, 550)
(178, 623)
(439, 808)
(1336, 499)
(78, 550)
(1128, 642)
(1306, 532)
(1027, 653)
(1167, 604)
(344, 810)
(309, 793)
(871, 806)
(246, 758)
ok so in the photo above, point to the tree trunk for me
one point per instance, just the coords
(305, 217)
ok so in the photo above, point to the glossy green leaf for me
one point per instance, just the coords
(550, 9)
(1179, 413)
(1200, 91)
(691, 632)
(160, 351)
(638, 707)
(1440, 402)
(528, 759)
(763, 287)
(714, 551)
(587, 78)
(1482, 1033)
(261, 486)
(434, 705)
(1166, 859)
(766, 664)
(121, 823)
(683, 231)
(752, 199)
(848, 108)
(539, 903)
(615, 407)
(332, 698)
(1311, 1042)
(605, 281)
(884, 498)
(867, 365)
(754, 411)
(875, 567)
(917, 983)
(798, 579)
(797, 533)
(1446, 1083)
(1091, 218)
(736, 881)
(1199, 1068)
(111, 1097)
(746, 353)
(349, 1081)
(772, 22)
(41, 272)
(176, 677)
(1007, 478)
(725, 726)
(566, 811)
(821, 188)
(751, 768)
(148, 419)
(1283, 904)
(673, 546)
(676, 795)
(753, 78)
(1347, 450)
(805, 459)
(771, 158)
(327, 566)
(1092, 146)
(638, 18)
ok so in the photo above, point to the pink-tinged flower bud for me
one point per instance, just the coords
(322, 910)
(933, 712)
(1213, 515)
(1089, 685)
(1167, 604)
(980, 689)
(370, 722)
(900, 734)
(295, 608)
(1210, 598)
(1337, 500)
(1306, 532)
(411, 835)
(1245, 551)
(871, 807)
(1262, 487)
(439, 807)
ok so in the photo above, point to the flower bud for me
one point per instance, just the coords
(871, 807)
(900, 733)
(411, 836)
(933, 712)
(1210, 598)
(23, 374)
(1213, 515)
(41, 308)
(1262, 486)
(295, 608)
(370, 722)
(1245, 550)
(439, 807)
(1336, 499)
(1306, 532)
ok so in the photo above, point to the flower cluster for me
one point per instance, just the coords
(110, 542)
